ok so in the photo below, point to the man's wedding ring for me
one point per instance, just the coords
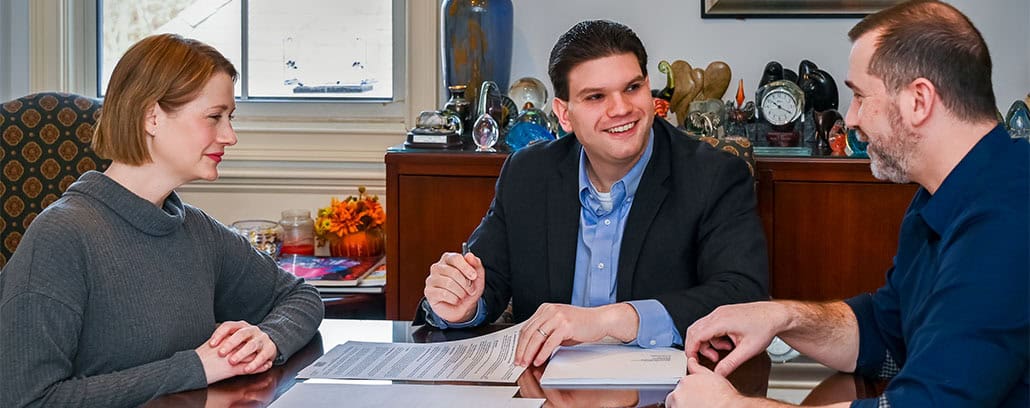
(542, 333)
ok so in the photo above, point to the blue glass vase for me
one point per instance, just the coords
(476, 43)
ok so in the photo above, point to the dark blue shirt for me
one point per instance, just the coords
(950, 325)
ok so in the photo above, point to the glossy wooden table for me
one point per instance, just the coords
(261, 389)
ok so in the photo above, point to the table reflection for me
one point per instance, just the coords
(258, 390)
(841, 387)
(529, 387)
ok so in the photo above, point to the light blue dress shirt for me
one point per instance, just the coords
(602, 221)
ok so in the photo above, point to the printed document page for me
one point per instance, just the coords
(606, 364)
(488, 358)
(310, 395)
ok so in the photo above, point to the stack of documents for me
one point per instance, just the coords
(608, 364)
(488, 358)
(484, 359)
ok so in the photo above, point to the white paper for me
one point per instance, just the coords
(488, 358)
(604, 364)
(401, 395)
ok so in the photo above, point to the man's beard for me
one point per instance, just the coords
(891, 158)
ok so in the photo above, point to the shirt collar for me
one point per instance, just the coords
(625, 188)
(945, 204)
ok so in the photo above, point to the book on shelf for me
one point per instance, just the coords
(374, 282)
(330, 271)
(375, 279)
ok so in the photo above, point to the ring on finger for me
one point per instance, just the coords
(542, 333)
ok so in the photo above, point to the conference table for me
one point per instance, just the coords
(752, 378)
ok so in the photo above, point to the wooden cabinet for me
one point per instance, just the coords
(832, 228)
(434, 199)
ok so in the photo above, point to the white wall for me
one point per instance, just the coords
(673, 29)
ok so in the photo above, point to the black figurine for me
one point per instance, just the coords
(773, 72)
(790, 75)
(806, 67)
(819, 87)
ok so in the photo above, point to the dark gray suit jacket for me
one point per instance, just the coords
(693, 240)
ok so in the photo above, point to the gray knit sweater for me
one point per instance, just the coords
(108, 295)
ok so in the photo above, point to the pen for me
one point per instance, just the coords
(465, 251)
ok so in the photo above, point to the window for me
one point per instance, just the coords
(296, 50)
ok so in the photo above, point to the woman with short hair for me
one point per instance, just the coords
(119, 292)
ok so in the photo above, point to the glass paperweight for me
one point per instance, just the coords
(528, 90)
(556, 125)
(439, 121)
(485, 133)
(509, 111)
(855, 147)
(1018, 120)
(524, 134)
(706, 117)
(530, 127)
(738, 117)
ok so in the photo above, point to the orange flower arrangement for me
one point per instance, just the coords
(351, 215)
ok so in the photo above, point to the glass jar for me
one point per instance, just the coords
(298, 233)
(263, 235)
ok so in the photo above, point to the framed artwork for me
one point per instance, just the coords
(792, 8)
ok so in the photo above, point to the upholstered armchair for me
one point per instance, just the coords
(44, 147)
(736, 146)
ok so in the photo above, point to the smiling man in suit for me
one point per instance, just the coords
(627, 228)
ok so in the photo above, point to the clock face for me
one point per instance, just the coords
(779, 107)
(781, 102)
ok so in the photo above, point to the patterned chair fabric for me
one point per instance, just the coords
(44, 147)
(736, 146)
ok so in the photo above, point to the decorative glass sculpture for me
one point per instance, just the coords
(491, 102)
(530, 127)
(706, 117)
(460, 107)
(556, 125)
(485, 133)
(528, 90)
(1018, 120)
(739, 115)
(439, 122)
(855, 147)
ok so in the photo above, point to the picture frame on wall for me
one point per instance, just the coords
(742, 9)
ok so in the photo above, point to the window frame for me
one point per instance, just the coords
(296, 131)
(280, 104)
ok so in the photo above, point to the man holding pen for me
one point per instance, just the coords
(628, 228)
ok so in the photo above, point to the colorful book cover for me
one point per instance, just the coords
(330, 271)
(376, 278)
